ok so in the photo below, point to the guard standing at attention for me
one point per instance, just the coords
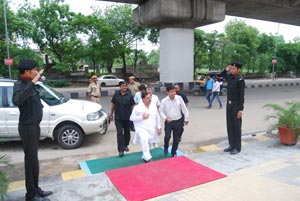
(27, 98)
(235, 106)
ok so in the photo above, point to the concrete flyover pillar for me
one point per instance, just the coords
(176, 20)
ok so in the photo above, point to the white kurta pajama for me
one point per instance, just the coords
(145, 129)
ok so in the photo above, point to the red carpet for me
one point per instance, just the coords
(157, 178)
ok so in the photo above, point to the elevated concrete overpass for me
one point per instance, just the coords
(176, 20)
(282, 11)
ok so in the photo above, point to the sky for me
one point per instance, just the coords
(289, 32)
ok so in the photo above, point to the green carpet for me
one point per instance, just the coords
(129, 159)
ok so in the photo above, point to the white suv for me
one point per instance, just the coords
(67, 121)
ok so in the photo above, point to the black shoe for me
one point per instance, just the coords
(147, 161)
(44, 193)
(228, 149)
(126, 149)
(166, 151)
(234, 151)
(121, 153)
(38, 198)
(174, 155)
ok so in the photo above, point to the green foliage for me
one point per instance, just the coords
(287, 116)
(4, 181)
(59, 83)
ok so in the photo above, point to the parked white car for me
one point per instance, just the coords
(109, 80)
(66, 121)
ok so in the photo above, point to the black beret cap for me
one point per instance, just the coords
(237, 64)
(27, 64)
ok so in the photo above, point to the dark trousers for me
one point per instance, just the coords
(234, 126)
(175, 127)
(123, 133)
(30, 141)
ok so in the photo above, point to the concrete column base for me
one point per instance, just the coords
(176, 55)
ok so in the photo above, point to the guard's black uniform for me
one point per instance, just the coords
(31, 112)
(235, 103)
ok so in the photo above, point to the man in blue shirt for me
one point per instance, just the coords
(209, 86)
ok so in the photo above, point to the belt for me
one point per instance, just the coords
(95, 96)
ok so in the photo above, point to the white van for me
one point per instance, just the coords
(66, 121)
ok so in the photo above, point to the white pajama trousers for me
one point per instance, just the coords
(143, 136)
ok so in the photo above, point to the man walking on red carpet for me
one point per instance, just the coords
(171, 109)
(146, 121)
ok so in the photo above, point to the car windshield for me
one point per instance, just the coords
(49, 95)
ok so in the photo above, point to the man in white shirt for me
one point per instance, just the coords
(171, 110)
(216, 92)
(147, 124)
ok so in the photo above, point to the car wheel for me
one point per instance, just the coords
(70, 137)
(103, 84)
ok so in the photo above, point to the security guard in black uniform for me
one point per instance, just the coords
(31, 112)
(235, 106)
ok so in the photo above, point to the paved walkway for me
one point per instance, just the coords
(264, 170)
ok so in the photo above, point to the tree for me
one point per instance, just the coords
(121, 20)
(53, 28)
(240, 33)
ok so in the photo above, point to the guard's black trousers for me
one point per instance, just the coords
(234, 126)
(30, 135)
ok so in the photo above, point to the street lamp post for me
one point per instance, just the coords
(6, 36)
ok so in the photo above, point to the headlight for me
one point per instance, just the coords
(94, 116)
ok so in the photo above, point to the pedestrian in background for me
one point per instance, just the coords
(234, 106)
(138, 95)
(122, 104)
(171, 109)
(133, 86)
(94, 90)
(147, 124)
(216, 92)
(27, 98)
(154, 101)
(208, 86)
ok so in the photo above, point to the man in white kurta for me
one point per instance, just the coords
(146, 121)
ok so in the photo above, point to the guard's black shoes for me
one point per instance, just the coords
(234, 151)
(166, 151)
(126, 149)
(44, 193)
(228, 149)
(121, 153)
(38, 198)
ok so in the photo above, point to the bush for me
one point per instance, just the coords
(59, 83)
(4, 182)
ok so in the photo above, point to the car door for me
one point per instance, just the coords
(11, 113)
(109, 81)
(12, 117)
(3, 128)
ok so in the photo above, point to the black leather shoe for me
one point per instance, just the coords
(234, 151)
(44, 193)
(121, 153)
(228, 149)
(38, 198)
(166, 151)
(126, 149)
